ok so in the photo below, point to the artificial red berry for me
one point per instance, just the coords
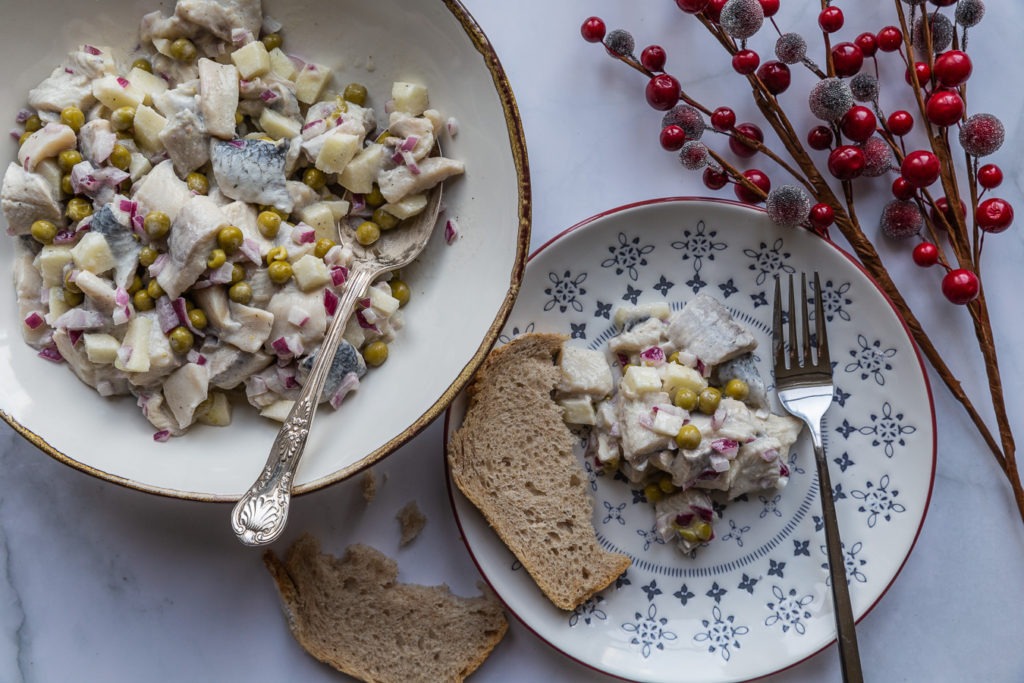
(942, 210)
(901, 189)
(822, 215)
(846, 162)
(960, 286)
(890, 39)
(745, 62)
(994, 215)
(653, 58)
(847, 59)
(943, 3)
(820, 137)
(926, 254)
(868, 44)
(921, 168)
(714, 179)
(858, 124)
(593, 30)
(760, 180)
(945, 108)
(741, 148)
(691, 6)
(769, 7)
(723, 119)
(900, 122)
(713, 10)
(672, 138)
(953, 68)
(775, 75)
(990, 176)
(831, 19)
(662, 92)
(924, 74)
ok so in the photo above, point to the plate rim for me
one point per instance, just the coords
(683, 200)
(517, 141)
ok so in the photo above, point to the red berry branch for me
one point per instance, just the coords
(945, 217)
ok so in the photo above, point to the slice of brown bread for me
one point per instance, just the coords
(513, 459)
(352, 614)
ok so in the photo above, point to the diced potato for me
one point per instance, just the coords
(641, 379)
(407, 206)
(136, 340)
(49, 170)
(354, 333)
(148, 125)
(278, 410)
(252, 60)
(215, 410)
(382, 301)
(321, 218)
(51, 261)
(362, 170)
(101, 348)
(310, 273)
(311, 81)
(56, 306)
(277, 125)
(92, 253)
(149, 84)
(410, 98)
(339, 149)
(666, 423)
(116, 91)
(676, 377)
(578, 410)
(281, 65)
(139, 166)
(339, 208)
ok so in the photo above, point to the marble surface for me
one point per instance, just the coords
(102, 583)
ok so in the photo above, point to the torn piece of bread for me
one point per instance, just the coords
(352, 614)
(411, 522)
(513, 459)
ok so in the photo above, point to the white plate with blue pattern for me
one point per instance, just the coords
(754, 600)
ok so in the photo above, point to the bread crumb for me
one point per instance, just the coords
(368, 485)
(412, 522)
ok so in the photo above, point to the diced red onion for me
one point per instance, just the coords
(280, 346)
(314, 122)
(268, 96)
(451, 231)
(409, 144)
(121, 315)
(727, 447)
(51, 354)
(358, 203)
(365, 302)
(139, 224)
(653, 355)
(452, 124)
(16, 133)
(672, 410)
(704, 513)
(303, 234)
(237, 143)
(166, 315)
(74, 336)
(410, 163)
(646, 420)
(349, 382)
(123, 82)
(371, 316)
(251, 250)
(769, 455)
(65, 237)
(718, 419)
(298, 62)
(23, 115)
(223, 274)
(783, 470)
(121, 297)
(330, 302)
(333, 257)
(684, 518)
(298, 316)
(363, 323)
(80, 319)
(270, 24)
(719, 463)
(162, 435)
(34, 320)
(194, 356)
(128, 206)
(240, 37)
(89, 49)
(703, 369)
(124, 353)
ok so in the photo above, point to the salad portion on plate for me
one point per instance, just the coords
(754, 598)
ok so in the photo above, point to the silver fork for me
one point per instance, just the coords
(803, 381)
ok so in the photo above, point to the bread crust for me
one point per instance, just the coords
(513, 458)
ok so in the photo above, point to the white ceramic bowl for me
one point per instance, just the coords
(461, 294)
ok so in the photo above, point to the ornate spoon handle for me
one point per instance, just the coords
(260, 515)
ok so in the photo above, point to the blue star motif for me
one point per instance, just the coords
(603, 310)
(801, 548)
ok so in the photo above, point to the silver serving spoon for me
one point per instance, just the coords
(260, 515)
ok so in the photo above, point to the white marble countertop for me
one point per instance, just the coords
(102, 583)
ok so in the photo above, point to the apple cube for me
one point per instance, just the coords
(362, 170)
(215, 411)
(136, 345)
(407, 206)
(641, 379)
(148, 125)
(676, 377)
(321, 218)
(101, 348)
(277, 125)
(51, 261)
(251, 60)
(410, 98)
(382, 302)
(310, 273)
(339, 149)
(311, 81)
(278, 410)
(92, 253)
(282, 66)
(117, 91)
(150, 84)
(578, 410)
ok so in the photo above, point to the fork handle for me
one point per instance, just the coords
(849, 653)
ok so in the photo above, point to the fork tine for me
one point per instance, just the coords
(777, 341)
(819, 322)
(794, 357)
(805, 322)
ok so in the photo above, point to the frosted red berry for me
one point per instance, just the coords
(672, 138)
(593, 30)
(961, 286)
(994, 215)
(822, 215)
(847, 59)
(900, 220)
(745, 62)
(692, 6)
(900, 122)
(662, 92)
(945, 107)
(759, 179)
(723, 119)
(901, 189)
(924, 74)
(990, 176)
(925, 254)
(653, 58)
(953, 68)
(831, 19)
(775, 75)
(921, 168)
(714, 179)
(858, 124)
(846, 162)
(820, 137)
(868, 44)
(769, 7)
(889, 39)
(741, 148)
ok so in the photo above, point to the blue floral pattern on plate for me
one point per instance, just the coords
(719, 614)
